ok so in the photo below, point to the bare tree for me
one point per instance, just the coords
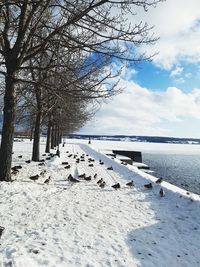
(90, 25)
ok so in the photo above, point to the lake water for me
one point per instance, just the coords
(181, 170)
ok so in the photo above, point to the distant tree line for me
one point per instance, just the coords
(55, 63)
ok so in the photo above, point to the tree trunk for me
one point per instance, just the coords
(60, 137)
(48, 142)
(9, 114)
(53, 136)
(57, 134)
(36, 140)
(31, 134)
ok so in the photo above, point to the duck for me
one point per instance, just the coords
(88, 178)
(1, 230)
(15, 168)
(149, 186)
(116, 186)
(159, 181)
(72, 179)
(67, 167)
(28, 161)
(130, 184)
(82, 175)
(41, 164)
(102, 185)
(47, 180)
(65, 163)
(69, 176)
(34, 177)
(110, 168)
(100, 181)
(161, 192)
(91, 165)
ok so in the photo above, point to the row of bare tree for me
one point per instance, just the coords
(56, 58)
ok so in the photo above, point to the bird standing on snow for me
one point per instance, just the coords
(87, 178)
(100, 181)
(91, 165)
(149, 186)
(47, 180)
(162, 193)
(130, 184)
(159, 181)
(116, 186)
(15, 168)
(1, 230)
(34, 177)
(102, 185)
(73, 180)
(67, 167)
(82, 176)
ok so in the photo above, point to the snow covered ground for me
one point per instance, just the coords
(80, 224)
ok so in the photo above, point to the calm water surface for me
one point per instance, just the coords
(181, 170)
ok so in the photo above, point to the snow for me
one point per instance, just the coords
(183, 149)
(65, 224)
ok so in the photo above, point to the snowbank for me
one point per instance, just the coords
(66, 224)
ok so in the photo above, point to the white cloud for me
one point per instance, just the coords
(177, 71)
(177, 23)
(139, 111)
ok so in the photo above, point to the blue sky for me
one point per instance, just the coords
(185, 75)
(161, 97)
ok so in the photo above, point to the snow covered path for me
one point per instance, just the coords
(81, 224)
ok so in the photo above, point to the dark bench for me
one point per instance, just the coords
(134, 155)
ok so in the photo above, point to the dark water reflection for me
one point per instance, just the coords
(181, 170)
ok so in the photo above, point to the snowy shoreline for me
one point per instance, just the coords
(65, 224)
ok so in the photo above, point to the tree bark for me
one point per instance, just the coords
(36, 140)
(53, 136)
(48, 142)
(57, 135)
(60, 137)
(31, 133)
(9, 114)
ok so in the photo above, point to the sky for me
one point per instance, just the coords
(161, 97)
